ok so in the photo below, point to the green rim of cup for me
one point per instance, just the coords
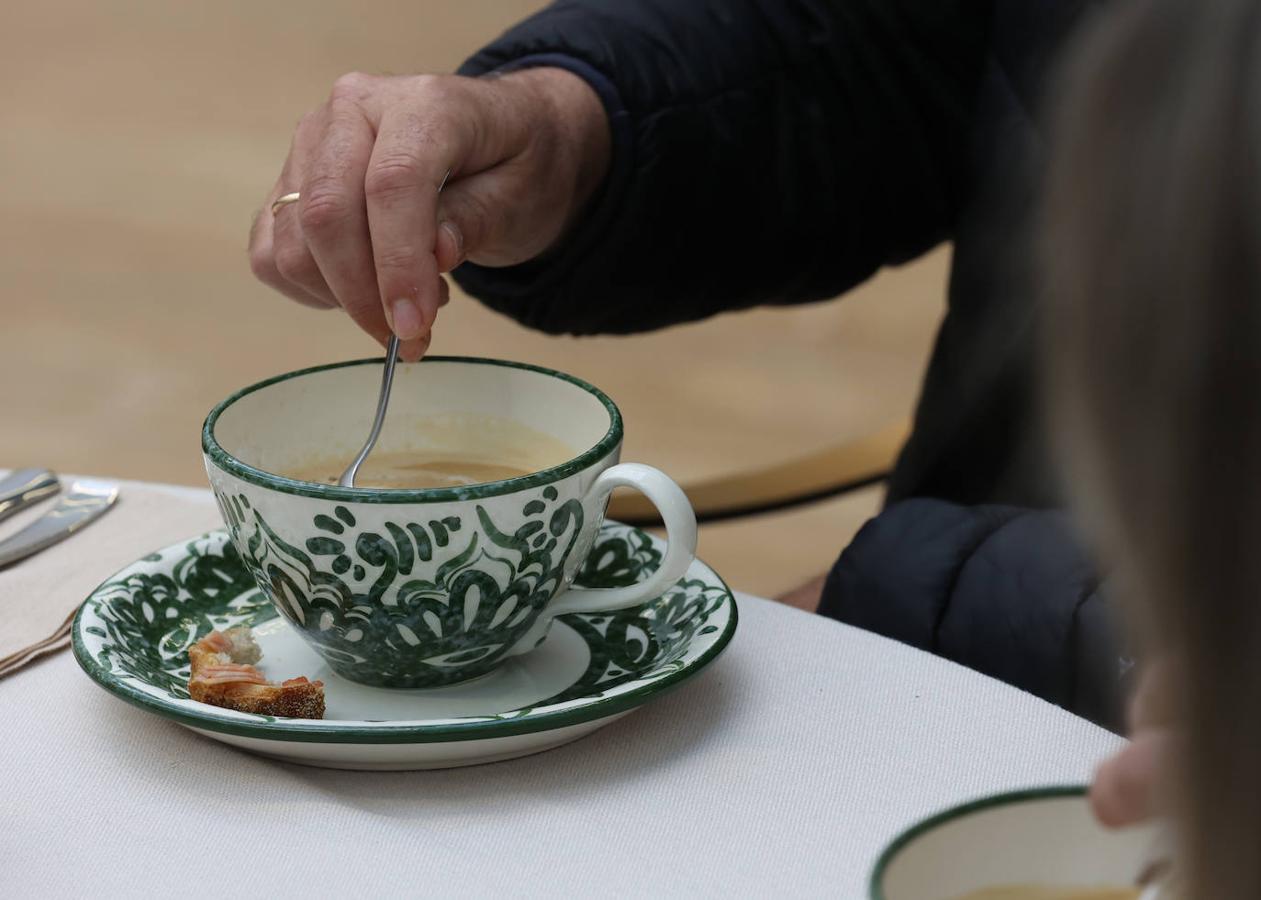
(230, 464)
(1010, 798)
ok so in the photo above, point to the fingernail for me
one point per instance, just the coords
(412, 351)
(457, 240)
(406, 319)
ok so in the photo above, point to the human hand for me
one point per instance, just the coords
(370, 233)
(1128, 786)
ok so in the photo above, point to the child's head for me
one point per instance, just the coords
(1152, 254)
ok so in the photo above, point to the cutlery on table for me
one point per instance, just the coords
(87, 500)
(58, 640)
(25, 487)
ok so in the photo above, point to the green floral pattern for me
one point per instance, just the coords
(643, 641)
(429, 603)
(146, 620)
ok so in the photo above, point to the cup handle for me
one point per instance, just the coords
(680, 523)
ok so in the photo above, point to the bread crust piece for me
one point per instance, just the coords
(223, 675)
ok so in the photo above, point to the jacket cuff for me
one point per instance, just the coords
(509, 283)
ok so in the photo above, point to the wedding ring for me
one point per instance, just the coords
(285, 201)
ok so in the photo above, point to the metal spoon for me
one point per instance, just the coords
(383, 400)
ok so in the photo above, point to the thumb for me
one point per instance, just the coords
(466, 227)
(493, 218)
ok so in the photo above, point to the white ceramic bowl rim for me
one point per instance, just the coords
(231, 464)
(1011, 798)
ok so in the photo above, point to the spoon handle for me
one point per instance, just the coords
(383, 402)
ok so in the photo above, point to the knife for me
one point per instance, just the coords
(25, 487)
(86, 501)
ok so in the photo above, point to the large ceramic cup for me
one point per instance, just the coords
(421, 588)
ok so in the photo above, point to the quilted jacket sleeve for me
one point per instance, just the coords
(766, 151)
(1005, 591)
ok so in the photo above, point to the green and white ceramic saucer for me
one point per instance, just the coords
(133, 633)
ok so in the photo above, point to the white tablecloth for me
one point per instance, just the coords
(780, 771)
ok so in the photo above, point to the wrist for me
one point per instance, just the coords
(579, 122)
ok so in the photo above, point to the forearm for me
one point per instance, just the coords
(782, 153)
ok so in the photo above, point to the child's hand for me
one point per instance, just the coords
(1129, 786)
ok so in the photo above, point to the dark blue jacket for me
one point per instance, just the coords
(1007, 591)
(782, 151)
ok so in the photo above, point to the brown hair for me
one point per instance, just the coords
(1152, 255)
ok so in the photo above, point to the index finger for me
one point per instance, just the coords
(409, 163)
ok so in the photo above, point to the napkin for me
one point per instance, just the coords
(39, 595)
